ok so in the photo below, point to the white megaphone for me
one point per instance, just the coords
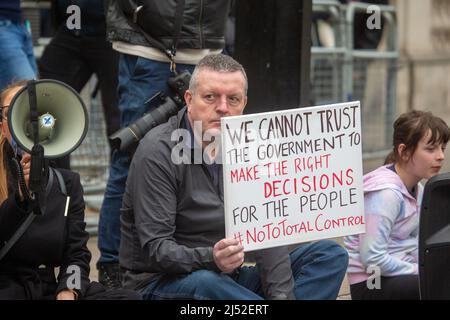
(61, 115)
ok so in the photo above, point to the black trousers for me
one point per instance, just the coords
(392, 288)
(96, 291)
(73, 59)
(44, 288)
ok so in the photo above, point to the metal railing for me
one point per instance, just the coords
(327, 58)
(91, 158)
(342, 72)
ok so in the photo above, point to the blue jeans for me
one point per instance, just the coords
(16, 54)
(318, 269)
(139, 80)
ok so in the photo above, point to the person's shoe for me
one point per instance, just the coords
(110, 276)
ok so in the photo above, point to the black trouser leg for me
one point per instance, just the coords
(62, 60)
(392, 288)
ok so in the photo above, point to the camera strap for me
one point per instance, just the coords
(169, 52)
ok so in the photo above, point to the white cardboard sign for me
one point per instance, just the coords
(293, 176)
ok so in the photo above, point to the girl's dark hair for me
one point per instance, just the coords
(411, 127)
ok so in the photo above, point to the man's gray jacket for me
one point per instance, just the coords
(173, 214)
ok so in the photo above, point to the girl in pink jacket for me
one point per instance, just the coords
(383, 261)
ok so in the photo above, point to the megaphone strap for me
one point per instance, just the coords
(62, 184)
(34, 115)
(63, 189)
(51, 177)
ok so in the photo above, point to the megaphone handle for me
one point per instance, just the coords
(37, 168)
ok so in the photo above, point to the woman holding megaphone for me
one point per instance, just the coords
(32, 246)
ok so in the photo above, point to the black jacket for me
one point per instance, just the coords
(52, 240)
(203, 22)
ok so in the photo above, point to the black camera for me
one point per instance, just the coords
(128, 138)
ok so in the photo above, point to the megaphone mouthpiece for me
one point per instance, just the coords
(46, 123)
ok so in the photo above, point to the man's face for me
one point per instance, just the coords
(217, 95)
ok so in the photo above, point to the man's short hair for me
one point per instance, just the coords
(219, 63)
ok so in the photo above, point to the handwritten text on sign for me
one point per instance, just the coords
(293, 176)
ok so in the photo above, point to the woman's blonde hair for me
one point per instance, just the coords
(3, 142)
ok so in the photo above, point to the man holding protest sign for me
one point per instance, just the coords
(173, 226)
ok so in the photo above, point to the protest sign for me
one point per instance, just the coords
(293, 176)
